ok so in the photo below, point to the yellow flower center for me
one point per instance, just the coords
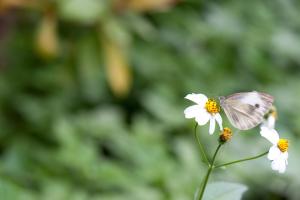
(283, 145)
(212, 106)
(226, 134)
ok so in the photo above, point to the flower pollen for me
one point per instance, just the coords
(226, 134)
(212, 106)
(283, 145)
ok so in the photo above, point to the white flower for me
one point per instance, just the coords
(205, 110)
(278, 152)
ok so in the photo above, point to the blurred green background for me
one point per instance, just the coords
(92, 95)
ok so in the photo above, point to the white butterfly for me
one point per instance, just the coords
(246, 110)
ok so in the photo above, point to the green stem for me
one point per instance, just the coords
(210, 168)
(204, 157)
(241, 160)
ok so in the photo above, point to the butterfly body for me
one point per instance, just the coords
(246, 110)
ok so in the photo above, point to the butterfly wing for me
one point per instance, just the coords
(243, 116)
(246, 110)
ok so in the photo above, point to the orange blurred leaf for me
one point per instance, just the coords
(47, 38)
(146, 5)
(117, 68)
(7, 4)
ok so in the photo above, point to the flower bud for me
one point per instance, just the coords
(225, 135)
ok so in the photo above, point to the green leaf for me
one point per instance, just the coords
(224, 191)
(8, 191)
(88, 11)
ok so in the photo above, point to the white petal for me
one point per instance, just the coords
(212, 125)
(271, 122)
(282, 162)
(269, 134)
(285, 156)
(278, 165)
(200, 99)
(275, 165)
(281, 165)
(219, 120)
(274, 153)
(202, 118)
(193, 111)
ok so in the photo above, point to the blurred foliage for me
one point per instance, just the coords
(91, 95)
(224, 190)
